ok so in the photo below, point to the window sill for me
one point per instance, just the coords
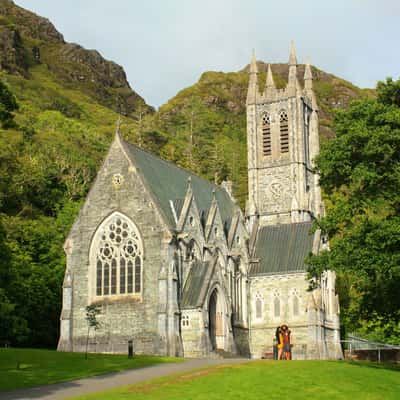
(117, 299)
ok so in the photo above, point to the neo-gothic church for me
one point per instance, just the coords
(175, 266)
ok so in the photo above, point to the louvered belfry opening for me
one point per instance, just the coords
(284, 131)
(266, 135)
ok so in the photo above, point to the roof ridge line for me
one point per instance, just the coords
(287, 224)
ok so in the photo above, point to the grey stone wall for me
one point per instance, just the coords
(122, 317)
(241, 337)
(195, 335)
(262, 329)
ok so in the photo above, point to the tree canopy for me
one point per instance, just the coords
(8, 104)
(360, 176)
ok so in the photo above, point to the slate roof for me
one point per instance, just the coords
(282, 248)
(170, 182)
(196, 285)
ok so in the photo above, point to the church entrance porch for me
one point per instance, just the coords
(216, 321)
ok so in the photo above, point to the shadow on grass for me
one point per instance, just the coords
(370, 364)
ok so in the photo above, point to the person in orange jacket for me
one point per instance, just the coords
(286, 342)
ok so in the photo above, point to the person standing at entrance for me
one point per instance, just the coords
(286, 342)
(279, 343)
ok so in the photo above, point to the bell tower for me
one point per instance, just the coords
(282, 142)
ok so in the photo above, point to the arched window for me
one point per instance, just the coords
(295, 305)
(295, 302)
(284, 131)
(266, 135)
(277, 304)
(258, 308)
(185, 320)
(117, 252)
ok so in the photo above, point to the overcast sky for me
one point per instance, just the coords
(165, 45)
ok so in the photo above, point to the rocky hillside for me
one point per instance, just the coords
(28, 40)
(204, 126)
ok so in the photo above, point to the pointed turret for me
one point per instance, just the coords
(292, 57)
(308, 78)
(118, 135)
(270, 87)
(253, 81)
(292, 84)
(253, 63)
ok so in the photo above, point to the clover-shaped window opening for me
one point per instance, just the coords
(117, 180)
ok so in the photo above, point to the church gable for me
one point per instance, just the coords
(238, 234)
(116, 181)
(189, 221)
(215, 228)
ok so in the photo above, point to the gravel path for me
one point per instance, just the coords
(79, 387)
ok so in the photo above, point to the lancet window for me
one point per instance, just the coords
(266, 135)
(259, 306)
(277, 304)
(118, 254)
(284, 131)
(295, 300)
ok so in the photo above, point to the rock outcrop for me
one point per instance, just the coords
(27, 39)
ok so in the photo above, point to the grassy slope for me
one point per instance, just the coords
(42, 367)
(269, 380)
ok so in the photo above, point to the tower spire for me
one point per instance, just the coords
(292, 80)
(269, 83)
(253, 81)
(118, 128)
(253, 63)
(292, 57)
(308, 78)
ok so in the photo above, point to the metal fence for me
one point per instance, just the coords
(358, 348)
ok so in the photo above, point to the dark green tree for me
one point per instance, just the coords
(8, 104)
(92, 311)
(360, 175)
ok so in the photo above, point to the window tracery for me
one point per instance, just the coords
(119, 257)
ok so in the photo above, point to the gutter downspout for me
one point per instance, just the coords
(249, 315)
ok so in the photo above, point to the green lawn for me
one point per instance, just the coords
(20, 368)
(270, 380)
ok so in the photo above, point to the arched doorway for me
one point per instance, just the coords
(216, 321)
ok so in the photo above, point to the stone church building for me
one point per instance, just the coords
(175, 266)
